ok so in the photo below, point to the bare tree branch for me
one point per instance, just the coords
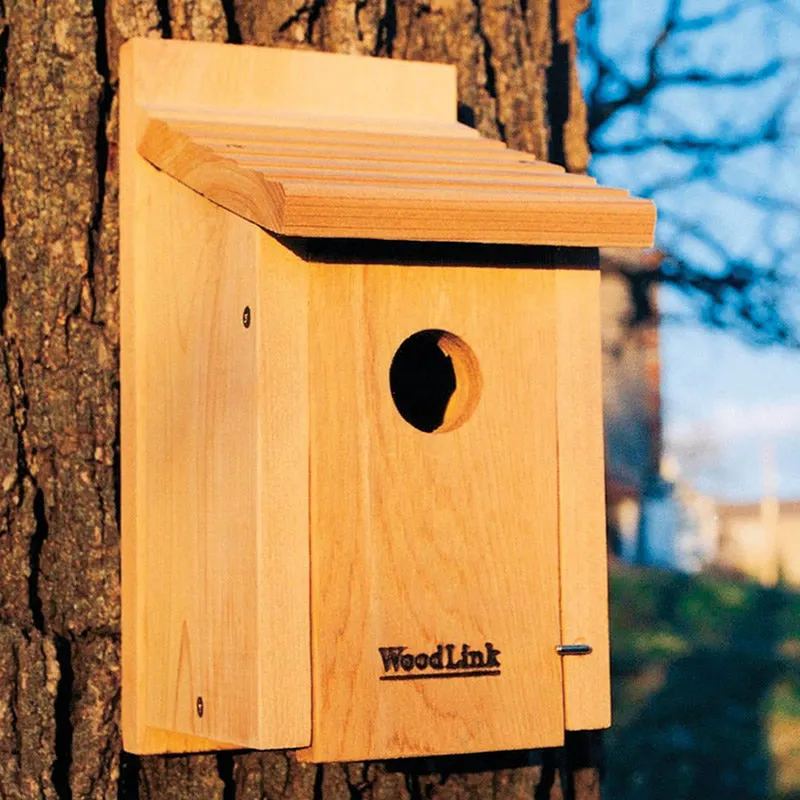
(719, 126)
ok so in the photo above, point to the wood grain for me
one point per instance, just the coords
(513, 206)
(214, 474)
(244, 445)
(581, 492)
(227, 82)
(420, 539)
(236, 147)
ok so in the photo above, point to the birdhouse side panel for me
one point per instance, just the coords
(435, 595)
(582, 524)
(193, 559)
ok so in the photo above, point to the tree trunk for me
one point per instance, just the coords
(59, 430)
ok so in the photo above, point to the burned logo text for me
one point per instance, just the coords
(445, 661)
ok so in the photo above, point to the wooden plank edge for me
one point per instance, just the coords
(283, 125)
(576, 224)
(132, 716)
(587, 200)
(317, 755)
(154, 741)
(401, 183)
(582, 532)
(280, 310)
(446, 159)
(221, 180)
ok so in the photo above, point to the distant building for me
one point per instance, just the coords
(696, 534)
(654, 517)
(761, 540)
(678, 525)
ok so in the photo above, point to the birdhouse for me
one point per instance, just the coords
(362, 453)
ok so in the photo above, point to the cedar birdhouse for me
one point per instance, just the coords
(362, 457)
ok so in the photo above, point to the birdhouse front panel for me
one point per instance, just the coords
(434, 511)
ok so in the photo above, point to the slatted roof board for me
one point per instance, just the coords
(383, 157)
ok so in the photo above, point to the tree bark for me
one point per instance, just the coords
(59, 428)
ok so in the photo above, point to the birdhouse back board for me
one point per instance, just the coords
(215, 618)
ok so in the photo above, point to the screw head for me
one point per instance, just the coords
(199, 706)
(246, 317)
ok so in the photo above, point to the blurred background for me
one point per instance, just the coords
(696, 105)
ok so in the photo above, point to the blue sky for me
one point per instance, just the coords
(725, 403)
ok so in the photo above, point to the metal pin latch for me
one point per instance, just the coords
(574, 649)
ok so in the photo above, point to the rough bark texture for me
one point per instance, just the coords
(59, 508)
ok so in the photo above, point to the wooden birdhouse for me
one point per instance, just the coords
(362, 455)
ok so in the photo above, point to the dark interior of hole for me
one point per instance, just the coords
(422, 381)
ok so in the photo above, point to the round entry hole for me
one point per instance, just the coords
(435, 381)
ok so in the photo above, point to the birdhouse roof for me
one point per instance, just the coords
(346, 147)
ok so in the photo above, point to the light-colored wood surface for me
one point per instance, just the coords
(280, 325)
(244, 446)
(384, 155)
(581, 491)
(153, 741)
(237, 82)
(420, 539)
(512, 205)
(282, 129)
(214, 472)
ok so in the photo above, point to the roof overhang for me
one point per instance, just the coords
(353, 147)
